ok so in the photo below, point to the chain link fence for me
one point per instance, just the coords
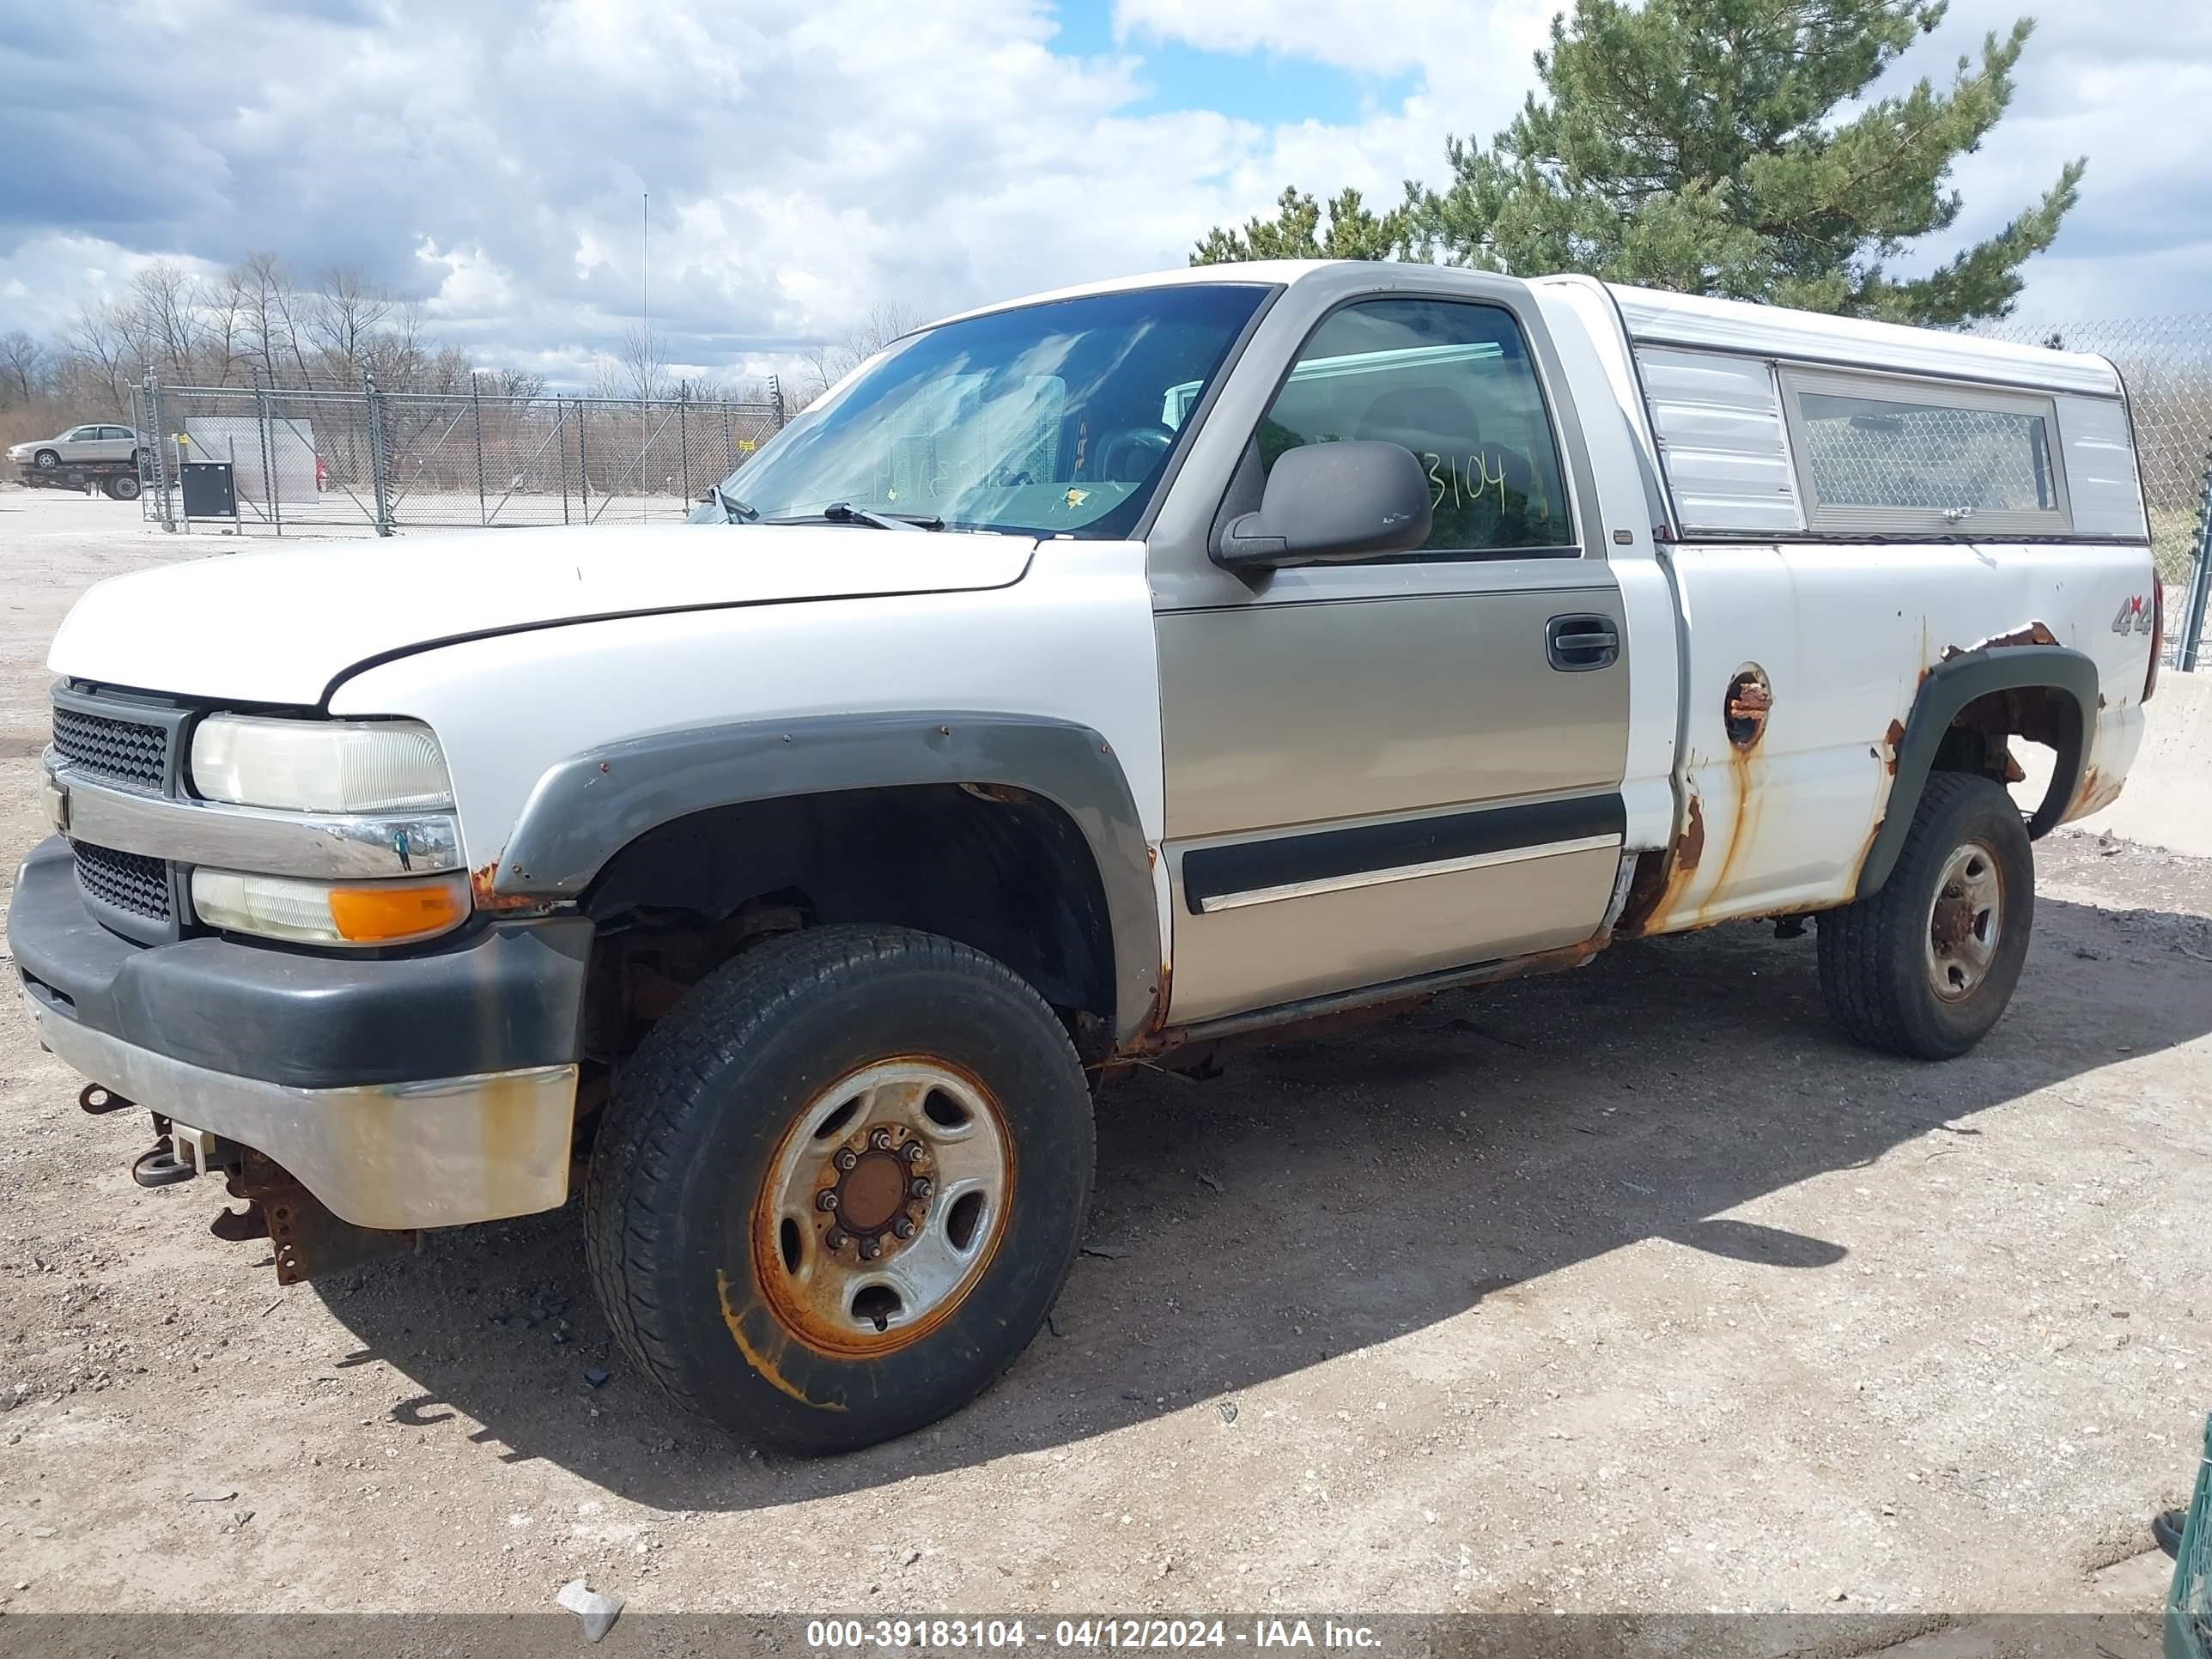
(388, 461)
(2167, 362)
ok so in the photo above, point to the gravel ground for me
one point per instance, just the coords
(1633, 1287)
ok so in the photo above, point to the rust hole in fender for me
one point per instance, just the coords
(1750, 697)
(486, 898)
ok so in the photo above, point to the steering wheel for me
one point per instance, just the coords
(1128, 455)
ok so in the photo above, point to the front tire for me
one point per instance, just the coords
(1927, 966)
(123, 486)
(839, 1187)
(46, 460)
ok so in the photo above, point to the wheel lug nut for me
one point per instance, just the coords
(826, 1200)
(915, 1152)
(836, 1239)
(918, 1187)
(902, 1227)
(870, 1249)
(845, 1158)
(880, 1140)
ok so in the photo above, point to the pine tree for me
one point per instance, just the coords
(1295, 233)
(1703, 146)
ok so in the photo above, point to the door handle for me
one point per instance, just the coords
(1577, 644)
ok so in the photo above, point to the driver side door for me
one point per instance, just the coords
(1391, 768)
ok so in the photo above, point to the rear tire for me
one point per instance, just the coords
(1926, 966)
(123, 486)
(839, 1187)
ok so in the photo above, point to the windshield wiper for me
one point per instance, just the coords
(845, 512)
(733, 510)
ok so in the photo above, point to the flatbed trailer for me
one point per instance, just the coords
(117, 480)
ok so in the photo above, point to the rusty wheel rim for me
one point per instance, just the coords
(1965, 919)
(885, 1203)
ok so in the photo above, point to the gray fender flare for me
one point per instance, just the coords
(1948, 688)
(587, 808)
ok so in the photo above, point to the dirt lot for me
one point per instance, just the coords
(1633, 1287)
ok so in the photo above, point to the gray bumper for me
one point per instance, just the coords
(423, 1090)
(432, 1154)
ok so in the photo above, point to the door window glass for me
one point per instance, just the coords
(1453, 383)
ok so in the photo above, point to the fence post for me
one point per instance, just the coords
(775, 396)
(475, 397)
(583, 466)
(158, 428)
(683, 441)
(561, 450)
(274, 496)
(2200, 579)
(376, 468)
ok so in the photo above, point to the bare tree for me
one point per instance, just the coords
(514, 383)
(107, 351)
(223, 319)
(166, 308)
(344, 319)
(638, 368)
(269, 332)
(824, 365)
(22, 361)
(257, 321)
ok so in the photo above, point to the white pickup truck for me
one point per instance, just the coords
(1092, 679)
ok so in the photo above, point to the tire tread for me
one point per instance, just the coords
(633, 1185)
(1869, 950)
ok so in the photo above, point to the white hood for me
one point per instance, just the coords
(283, 627)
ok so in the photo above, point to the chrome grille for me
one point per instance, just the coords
(128, 751)
(129, 882)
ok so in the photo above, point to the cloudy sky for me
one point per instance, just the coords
(808, 158)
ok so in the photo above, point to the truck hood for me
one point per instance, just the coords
(285, 627)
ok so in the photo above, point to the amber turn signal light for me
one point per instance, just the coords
(388, 910)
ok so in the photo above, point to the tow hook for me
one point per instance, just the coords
(160, 1166)
(98, 1099)
(179, 1153)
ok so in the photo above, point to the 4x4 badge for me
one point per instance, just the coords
(2134, 617)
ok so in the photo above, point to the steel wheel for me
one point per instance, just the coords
(1926, 966)
(847, 1064)
(1965, 921)
(885, 1202)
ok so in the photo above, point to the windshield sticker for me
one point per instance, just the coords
(1076, 498)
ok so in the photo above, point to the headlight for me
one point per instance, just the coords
(318, 766)
(329, 913)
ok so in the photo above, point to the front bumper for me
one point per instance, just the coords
(424, 1090)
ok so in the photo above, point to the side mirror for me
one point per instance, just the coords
(1331, 501)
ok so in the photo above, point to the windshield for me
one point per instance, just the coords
(1052, 419)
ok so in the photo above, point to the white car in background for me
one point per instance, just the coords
(77, 446)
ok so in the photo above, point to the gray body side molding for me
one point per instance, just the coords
(589, 807)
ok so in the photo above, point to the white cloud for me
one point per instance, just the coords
(806, 163)
(473, 286)
(47, 278)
